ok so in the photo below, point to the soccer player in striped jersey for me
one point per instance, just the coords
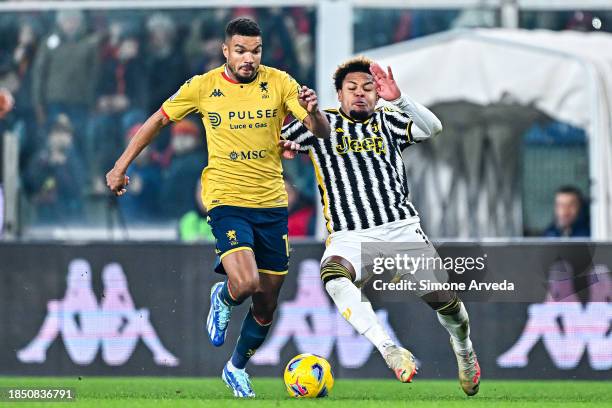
(243, 105)
(364, 192)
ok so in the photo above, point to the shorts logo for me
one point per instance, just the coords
(231, 235)
(216, 93)
(214, 118)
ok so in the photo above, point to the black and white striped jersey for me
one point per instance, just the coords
(359, 168)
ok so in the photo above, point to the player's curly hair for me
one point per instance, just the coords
(357, 64)
(242, 26)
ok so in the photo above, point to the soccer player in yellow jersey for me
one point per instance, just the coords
(243, 105)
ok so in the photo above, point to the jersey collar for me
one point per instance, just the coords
(347, 117)
(228, 78)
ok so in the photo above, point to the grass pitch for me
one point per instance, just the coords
(211, 392)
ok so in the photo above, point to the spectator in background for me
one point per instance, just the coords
(301, 212)
(166, 64)
(166, 67)
(193, 225)
(25, 115)
(142, 202)
(55, 177)
(571, 218)
(6, 102)
(204, 45)
(121, 97)
(64, 73)
(188, 160)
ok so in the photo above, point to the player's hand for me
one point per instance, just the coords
(117, 181)
(385, 83)
(308, 99)
(289, 149)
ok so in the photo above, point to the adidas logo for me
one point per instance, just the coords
(217, 93)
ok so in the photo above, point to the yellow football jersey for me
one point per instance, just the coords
(243, 124)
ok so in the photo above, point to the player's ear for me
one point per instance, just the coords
(225, 50)
(339, 94)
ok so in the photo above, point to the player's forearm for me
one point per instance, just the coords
(317, 123)
(422, 117)
(145, 135)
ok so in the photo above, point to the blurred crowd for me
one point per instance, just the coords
(83, 83)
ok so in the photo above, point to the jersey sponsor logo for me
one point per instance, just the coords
(216, 93)
(256, 114)
(85, 326)
(214, 118)
(374, 144)
(249, 155)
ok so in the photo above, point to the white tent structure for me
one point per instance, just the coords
(566, 75)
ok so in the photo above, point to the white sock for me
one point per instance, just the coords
(458, 326)
(231, 368)
(357, 310)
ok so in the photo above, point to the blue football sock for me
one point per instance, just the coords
(252, 335)
(226, 297)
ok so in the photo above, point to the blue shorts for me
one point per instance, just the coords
(261, 230)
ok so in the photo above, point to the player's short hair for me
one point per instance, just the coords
(357, 64)
(242, 26)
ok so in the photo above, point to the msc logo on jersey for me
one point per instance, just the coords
(374, 144)
(214, 118)
(250, 155)
(216, 93)
(263, 87)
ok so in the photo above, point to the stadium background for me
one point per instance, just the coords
(77, 102)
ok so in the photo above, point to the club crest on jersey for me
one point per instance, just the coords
(216, 93)
(263, 87)
(374, 144)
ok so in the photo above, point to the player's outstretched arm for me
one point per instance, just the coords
(116, 180)
(316, 121)
(426, 121)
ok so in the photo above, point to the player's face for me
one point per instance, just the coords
(243, 55)
(358, 95)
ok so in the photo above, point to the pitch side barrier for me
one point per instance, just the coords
(139, 309)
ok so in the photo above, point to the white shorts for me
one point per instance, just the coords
(404, 238)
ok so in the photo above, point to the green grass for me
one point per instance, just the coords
(211, 392)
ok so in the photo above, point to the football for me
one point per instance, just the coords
(308, 376)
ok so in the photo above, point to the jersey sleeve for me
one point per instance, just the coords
(291, 89)
(400, 126)
(183, 102)
(297, 132)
